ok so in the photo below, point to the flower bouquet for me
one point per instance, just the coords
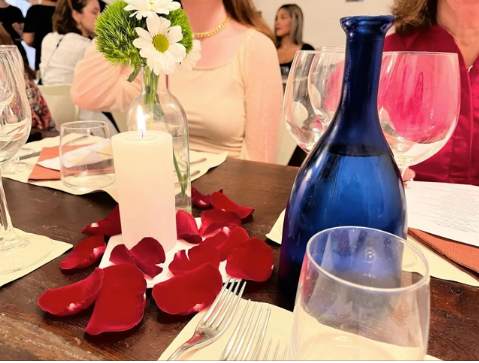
(155, 39)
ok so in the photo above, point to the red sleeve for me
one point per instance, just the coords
(394, 43)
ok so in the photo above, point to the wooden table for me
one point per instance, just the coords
(27, 333)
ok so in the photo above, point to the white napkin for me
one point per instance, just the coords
(197, 170)
(279, 330)
(165, 274)
(438, 266)
(58, 249)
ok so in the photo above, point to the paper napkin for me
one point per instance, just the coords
(58, 249)
(438, 266)
(279, 330)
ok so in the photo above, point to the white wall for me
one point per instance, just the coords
(321, 17)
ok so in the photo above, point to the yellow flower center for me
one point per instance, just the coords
(160, 43)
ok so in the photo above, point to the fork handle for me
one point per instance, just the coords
(193, 343)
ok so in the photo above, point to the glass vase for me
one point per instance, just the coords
(350, 177)
(163, 112)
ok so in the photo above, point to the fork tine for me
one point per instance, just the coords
(227, 310)
(235, 306)
(276, 351)
(213, 306)
(232, 340)
(265, 356)
(257, 349)
(253, 333)
(228, 296)
(243, 335)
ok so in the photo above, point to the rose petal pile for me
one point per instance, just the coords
(118, 292)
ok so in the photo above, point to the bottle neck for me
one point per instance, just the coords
(361, 75)
(153, 84)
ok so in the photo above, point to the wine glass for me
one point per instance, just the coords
(14, 166)
(418, 99)
(16, 252)
(358, 300)
(301, 120)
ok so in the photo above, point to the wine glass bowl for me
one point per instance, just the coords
(301, 120)
(418, 99)
(16, 253)
(418, 103)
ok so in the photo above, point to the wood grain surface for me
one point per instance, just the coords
(27, 333)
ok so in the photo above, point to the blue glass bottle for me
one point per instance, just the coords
(350, 177)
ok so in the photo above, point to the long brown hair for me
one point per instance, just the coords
(6, 39)
(244, 12)
(411, 14)
(296, 15)
(62, 19)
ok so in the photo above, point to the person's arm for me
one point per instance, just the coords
(18, 22)
(30, 27)
(100, 86)
(263, 98)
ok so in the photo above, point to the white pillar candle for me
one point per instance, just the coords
(146, 186)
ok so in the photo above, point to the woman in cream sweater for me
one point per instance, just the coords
(232, 97)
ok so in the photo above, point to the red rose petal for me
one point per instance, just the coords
(71, 299)
(200, 200)
(186, 228)
(251, 260)
(121, 302)
(149, 251)
(120, 255)
(110, 226)
(214, 219)
(84, 254)
(216, 241)
(197, 256)
(221, 201)
(190, 292)
(236, 236)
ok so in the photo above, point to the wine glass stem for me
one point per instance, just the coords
(7, 234)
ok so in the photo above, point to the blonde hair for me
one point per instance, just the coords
(411, 14)
(296, 32)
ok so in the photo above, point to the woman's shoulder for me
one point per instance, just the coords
(77, 38)
(254, 40)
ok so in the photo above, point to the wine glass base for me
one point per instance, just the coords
(16, 168)
(28, 251)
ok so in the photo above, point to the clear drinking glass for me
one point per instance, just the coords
(16, 253)
(301, 120)
(86, 155)
(357, 299)
(418, 99)
(14, 165)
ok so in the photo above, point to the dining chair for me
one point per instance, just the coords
(61, 106)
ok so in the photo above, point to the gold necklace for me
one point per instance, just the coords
(214, 31)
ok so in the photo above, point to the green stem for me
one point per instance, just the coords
(151, 80)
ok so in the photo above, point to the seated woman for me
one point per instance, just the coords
(446, 26)
(73, 26)
(289, 35)
(41, 117)
(233, 96)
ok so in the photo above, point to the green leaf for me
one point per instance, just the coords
(134, 74)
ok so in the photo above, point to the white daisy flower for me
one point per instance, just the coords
(159, 45)
(147, 8)
(192, 57)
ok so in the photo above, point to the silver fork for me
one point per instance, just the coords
(281, 357)
(252, 330)
(216, 320)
